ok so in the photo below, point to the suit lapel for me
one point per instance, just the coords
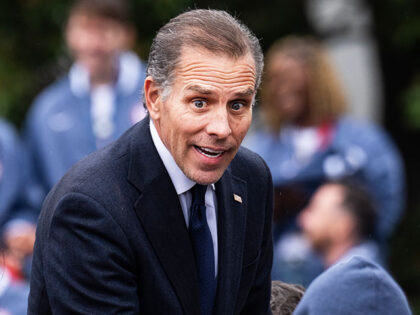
(231, 232)
(160, 213)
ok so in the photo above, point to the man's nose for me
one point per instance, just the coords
(92, 40)
(218, 124)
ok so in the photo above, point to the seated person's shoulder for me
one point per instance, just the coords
(361, 280)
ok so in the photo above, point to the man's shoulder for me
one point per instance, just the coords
(98, 184)
(249, 164)
(100, 172)
(248, 156)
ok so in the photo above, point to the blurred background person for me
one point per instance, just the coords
(17, 222)
(97, 100)
(18, 205)
(306, 139)
(339, 222)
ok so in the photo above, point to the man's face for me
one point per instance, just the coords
(205, 117)
(95, 42)
(323, 217)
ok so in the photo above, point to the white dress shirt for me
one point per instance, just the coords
(183, 185)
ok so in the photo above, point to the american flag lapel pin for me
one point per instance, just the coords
(237, 198)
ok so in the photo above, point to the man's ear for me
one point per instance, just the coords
(344, 226)
(152, 94)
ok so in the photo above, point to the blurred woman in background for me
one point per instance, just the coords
(306, 139)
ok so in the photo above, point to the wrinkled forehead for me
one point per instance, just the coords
(199, 64)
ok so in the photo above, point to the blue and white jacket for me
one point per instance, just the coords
(60, 128)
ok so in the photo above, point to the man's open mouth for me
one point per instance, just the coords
(209, 152)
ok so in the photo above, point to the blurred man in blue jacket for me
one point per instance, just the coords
(97, 100)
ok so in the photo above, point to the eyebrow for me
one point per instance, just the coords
(247, 92)
(199, 89)
(202, 90)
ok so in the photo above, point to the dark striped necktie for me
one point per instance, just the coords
(202, 244)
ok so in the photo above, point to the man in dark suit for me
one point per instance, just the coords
(174, 217)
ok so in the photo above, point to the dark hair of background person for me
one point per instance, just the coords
(213, 30)
(359, 204)
(285, 297)
(116, 10)
(325, 97)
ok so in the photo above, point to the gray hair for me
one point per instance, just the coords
(215, 30)
(285, 297)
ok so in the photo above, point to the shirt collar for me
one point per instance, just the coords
(79, 80)
(181, 182)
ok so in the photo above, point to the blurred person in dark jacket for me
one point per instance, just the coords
(307, 138)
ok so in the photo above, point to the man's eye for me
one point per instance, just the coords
(199, 103)
(237, 106)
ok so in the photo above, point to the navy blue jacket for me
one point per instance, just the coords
(112, 237)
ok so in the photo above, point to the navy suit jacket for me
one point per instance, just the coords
(112, 238)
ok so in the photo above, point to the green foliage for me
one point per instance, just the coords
(411, 101)
(150, 15)
(30, 46)
(406, 16)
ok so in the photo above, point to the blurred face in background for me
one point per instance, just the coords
(288, 84)
(324, 221)
(95, 42)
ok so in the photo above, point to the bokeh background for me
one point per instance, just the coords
(33, 54)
